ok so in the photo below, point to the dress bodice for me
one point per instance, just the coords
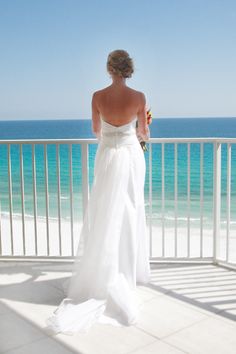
(124, 134)
(124, 127)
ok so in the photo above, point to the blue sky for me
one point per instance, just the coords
(53, 55)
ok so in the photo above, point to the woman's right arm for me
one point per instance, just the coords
(143, 129)
(96, 120)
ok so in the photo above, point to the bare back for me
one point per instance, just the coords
(118, 105)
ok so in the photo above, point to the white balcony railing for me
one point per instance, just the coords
(166, 242)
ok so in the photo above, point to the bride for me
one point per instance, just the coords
(113, 238)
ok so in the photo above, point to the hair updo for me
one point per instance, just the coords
(120, 63)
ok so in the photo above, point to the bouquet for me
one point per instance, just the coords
(149, 121)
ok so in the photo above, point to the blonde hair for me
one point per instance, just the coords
(120, 63)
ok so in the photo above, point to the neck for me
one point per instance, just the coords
(118, 81)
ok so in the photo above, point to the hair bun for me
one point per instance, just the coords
(120, 63)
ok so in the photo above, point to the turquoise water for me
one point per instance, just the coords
(177, 127)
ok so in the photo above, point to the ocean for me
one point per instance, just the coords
(81, 128)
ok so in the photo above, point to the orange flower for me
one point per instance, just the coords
(149, 116)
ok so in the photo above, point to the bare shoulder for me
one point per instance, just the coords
(96, 93)
(96, 97)
(140, 97)
(101, 91)
(139, 94)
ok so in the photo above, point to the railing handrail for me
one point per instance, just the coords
(95, 140)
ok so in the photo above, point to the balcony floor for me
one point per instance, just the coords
(187, 308)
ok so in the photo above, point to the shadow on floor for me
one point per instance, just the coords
(205, 286)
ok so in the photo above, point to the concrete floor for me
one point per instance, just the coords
(187, 308)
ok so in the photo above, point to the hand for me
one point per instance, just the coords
(143, 136)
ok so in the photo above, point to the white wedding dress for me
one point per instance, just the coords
(115, 255)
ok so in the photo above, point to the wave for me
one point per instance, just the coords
(29, 216)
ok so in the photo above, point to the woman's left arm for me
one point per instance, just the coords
(96, 120)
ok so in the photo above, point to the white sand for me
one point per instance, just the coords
(41, 236)
(169, 239)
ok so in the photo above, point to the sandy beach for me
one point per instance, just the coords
(66, 244)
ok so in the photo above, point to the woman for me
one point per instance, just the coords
(114, 234)
(118, 102)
